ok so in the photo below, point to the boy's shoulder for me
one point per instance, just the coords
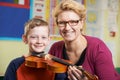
(17, 62)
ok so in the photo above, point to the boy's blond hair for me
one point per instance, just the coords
(35, 22)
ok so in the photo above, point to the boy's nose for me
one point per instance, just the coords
(39, 40)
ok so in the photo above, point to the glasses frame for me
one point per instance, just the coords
(70, 22)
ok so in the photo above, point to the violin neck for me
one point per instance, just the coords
(61, 61)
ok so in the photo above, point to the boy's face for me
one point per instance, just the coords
(38, 39)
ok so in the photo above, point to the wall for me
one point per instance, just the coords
(12, 19)
(10, 50)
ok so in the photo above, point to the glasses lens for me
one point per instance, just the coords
(73, 22)
(61, 23)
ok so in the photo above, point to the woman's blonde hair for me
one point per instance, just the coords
(70, 5)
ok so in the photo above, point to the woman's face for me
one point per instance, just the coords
(37, 39)
(69, 25)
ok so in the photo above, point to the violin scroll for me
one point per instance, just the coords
(87, 74)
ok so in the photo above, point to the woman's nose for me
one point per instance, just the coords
(67, 26)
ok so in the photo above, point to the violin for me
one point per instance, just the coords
(41, 62)
(54, 64)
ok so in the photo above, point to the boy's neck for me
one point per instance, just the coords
(38, 54)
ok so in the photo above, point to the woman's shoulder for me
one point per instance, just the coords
(58, 43)
(92, 39)
(56, 48)
(94, 42)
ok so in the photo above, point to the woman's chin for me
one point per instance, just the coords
(68, 39)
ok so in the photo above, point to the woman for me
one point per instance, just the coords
(88, 52)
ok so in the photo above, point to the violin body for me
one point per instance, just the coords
(36, 62)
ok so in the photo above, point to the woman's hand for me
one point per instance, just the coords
(75, 74)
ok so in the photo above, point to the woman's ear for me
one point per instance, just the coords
(24, 38)
(82, 25)
(49, 40)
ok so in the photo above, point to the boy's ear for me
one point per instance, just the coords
(24, 38)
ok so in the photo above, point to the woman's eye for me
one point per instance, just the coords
(72, 22)
(61, 22)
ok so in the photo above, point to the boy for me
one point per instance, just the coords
(36, 36)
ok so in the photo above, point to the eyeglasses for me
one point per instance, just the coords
(70, 22)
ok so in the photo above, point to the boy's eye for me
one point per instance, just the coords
(44, 37)
(33, 36)
(36, 37)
